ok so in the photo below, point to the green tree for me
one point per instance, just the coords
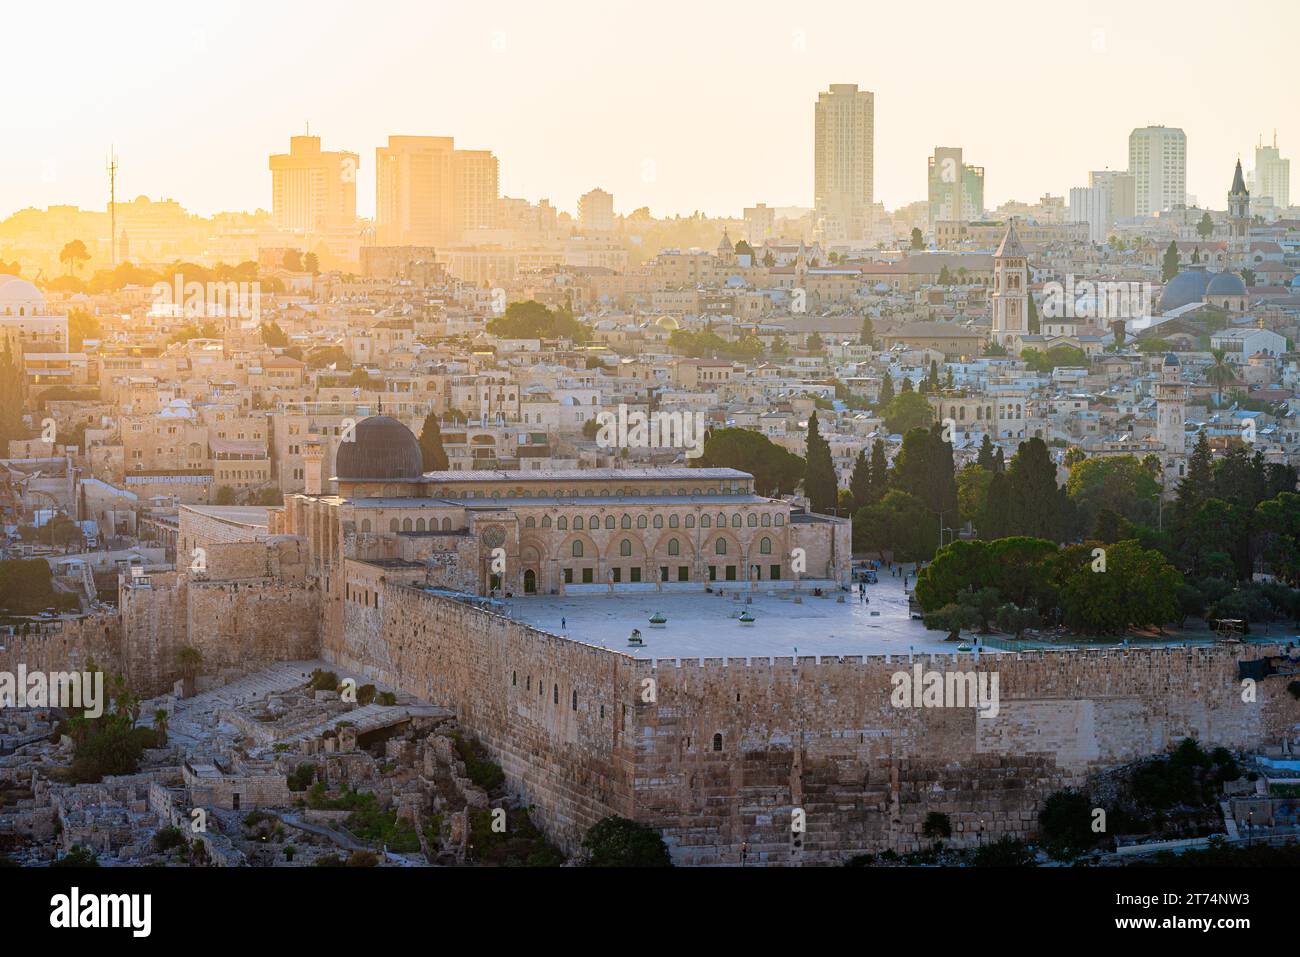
(918, 238)
(74, 255)
(1135, 588)
(432, 454)
(1169, 266)
(1205, 228)
(776, 470)
(907, 411)
(619, 842)
(1220, 373)
(12, 390)
(860, 481)
(886, 390)
(1037, 504)
(820, 484)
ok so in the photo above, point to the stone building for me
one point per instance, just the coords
(560, 531)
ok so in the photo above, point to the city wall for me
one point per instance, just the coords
(720, 754)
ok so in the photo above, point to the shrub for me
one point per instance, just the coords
(301, 777)
(363, 859)
(78, 857)
(482, 770)
(937, 825)
(619, 842)
(323, 681)
(168, 838)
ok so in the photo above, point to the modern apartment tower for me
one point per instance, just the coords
(1120, 183)
(1157, 158)
(843, 162)
(596, 211)
(428, 193)
(312, 190)
(956, 190)
(1271, 178)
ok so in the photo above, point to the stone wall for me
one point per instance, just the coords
(552, 711)
(66, 645)
(582, 732)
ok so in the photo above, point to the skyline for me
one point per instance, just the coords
(696, 127)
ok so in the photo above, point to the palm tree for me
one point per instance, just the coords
(189, 660)
(1220, 374)
(160, 727)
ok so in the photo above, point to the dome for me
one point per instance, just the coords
(13, 289)
(382, 450)
(1187, 287)
(668, 323)
(1226, 284)
(1171, 359)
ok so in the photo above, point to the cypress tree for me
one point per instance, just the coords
(820, 484)
(432, 453)
(860, 481)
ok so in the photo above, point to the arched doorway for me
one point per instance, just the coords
(530, 582)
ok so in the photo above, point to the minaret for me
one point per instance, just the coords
(1010, 300)
(1238, 222)
(1171, 417)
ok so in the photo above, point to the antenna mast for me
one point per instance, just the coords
(112, 204)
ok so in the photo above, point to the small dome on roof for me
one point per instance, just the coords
(1185, 288)
(1171, 359)
(1226, 284)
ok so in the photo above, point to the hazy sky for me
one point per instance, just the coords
(717, 96)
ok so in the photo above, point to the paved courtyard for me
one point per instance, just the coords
(701, 625)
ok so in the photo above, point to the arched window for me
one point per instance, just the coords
(546, 521)
(672, 521)
(627, 521)
(780, 519)
(555, 695)
(530, 522)
(593, 522)
(735, 520)
(577, 549)
(753, 520)
(577, 522)
(625, 548)
(561, 523)
(575, 701)
(609, 522)
(705, 521)
(767, 520)
(722, 520)
(641, 521)
(406, 525)
(720, 547)
(690, 521)
(717, 742)
(674, 547)
(658, 521)
(393, 526)
(446, 524)
(365, 525)
(765, 547)
(419, 524)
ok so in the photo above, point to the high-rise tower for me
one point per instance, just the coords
(1010, 299)
(844, 161)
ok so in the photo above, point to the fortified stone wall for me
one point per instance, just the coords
(824, 737)
(66, 646)
(553, 712)
(582, 732)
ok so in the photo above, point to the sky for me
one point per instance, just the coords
(679, 106)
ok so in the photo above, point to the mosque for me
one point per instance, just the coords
(496, 533)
